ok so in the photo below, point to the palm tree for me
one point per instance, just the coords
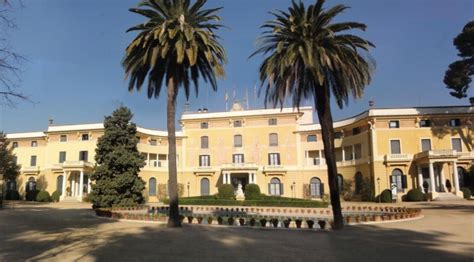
(308, 57)
(177, 45)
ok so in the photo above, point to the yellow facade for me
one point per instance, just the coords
(280, 150)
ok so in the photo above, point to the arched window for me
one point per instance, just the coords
(204, 187)
(275, 188)
(59, 184)
(204, 142)
(238, 141)
(340, 183)
(461, 176)
(315, 187)
(152, 187)
(399, 179)
(273, 138)
(31, 184)
(358, 182)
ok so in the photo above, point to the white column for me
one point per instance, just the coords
(63, 186)
(73, 184)
(432, 179)
(420, 179)
(228, 178)
(443, 178)
(255, 178)
(320, 158)
(353, 153)
(306, 158)
(224, 178)
(81, 184)
(456, 176)
(88, 184)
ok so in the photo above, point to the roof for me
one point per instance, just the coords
(25, 135)
(257, 112)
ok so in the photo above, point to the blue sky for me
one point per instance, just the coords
(74, 49)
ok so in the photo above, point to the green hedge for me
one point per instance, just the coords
(252, 192)
(414, 195)
(55, 196)
(43, 196)
(385, 196)
(226, 191)
(267, 202)
(466, 192)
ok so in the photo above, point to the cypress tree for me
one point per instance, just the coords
(118, 163)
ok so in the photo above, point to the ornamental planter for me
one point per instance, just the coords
(252, 222)
(357, 219)
(242, 222)
(275, 222)
(230, 221)
(181, 218)
(220, 221)
(263, 222)
(310, 223)
(348, 219)
(298, 223)
(199, 219)
(209, 220)
(190, 219)
(286, 223)
(322, 224)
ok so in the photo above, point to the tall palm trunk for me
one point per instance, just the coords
(323, 108)
(173, 220)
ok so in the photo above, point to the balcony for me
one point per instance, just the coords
(77, 164)
(398, 158)
(442, 153)
(274, 169)
(466, 155)
(239, 166)
(30, 169)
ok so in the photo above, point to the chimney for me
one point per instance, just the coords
(204, 110)
(50, 122)
(371, 103)
(471, 100)
(199, 110)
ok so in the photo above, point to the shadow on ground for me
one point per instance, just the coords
(38, 233)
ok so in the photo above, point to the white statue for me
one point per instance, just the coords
(239, 193)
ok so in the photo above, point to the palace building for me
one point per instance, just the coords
(280, 150)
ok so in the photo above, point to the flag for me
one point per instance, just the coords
(226, 97)
(233, 94)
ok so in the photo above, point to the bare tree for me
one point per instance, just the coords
(9, 60)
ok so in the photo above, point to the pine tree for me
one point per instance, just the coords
(9, 170)
(118, 163)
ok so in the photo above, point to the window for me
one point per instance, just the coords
(153, 142)
(204, 142)
(275, 188)
(394, 124)
(85, 137)
(33, 161)
(15, 160)
(15, 144)
(311, 138)
(358, 182)
(338, 153)
(237, 123)
(63, 138)
(340, 183)
(358, 151)
(237, 141)
(274, 159)
(204, 125)
(454, 122)
(34, 143)
(204, 160)
(83, 156)
(425, 145)
(315, 187)
(205, 187)
(425, 123)
(399, 179)
(456, 143)
(462, 177)
(62, 157)
(59, 184)
(31, 184)
(395, 147)
(272, 122)
(313, 156)
(355, 130)
(11, 185)
(338, 135)
(237, 158)
(273, 139)
(348, 153)
(152, 187)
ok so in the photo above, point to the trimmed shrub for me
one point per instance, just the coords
(385, 196)
(43, 196)
(226, 191)
(12, 195)
(31, 195)
(414, 195)
(55, 196)
(252, 192)
(466, 192)
(87, 199)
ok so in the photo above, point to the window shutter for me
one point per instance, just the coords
(278, 157)
(269, 163)
(391, 180)
(281, 189)
(200, 160)
(321, 191)
(404, 181)
(243, 158)
(269, 189)
(209, 160)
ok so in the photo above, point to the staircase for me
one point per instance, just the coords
(70, 199)
(443, 196)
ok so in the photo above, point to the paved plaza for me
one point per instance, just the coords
(70, 232)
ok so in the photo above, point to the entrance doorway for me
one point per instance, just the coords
(242, 178)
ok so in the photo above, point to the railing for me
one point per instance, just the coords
(398, 157)
(30, 169)
(239, 166)
(437, 153)
(77, 164)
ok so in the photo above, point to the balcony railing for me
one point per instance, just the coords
(240, 166)
(30, 169)
(398, 157)
(80, 164)
(439, 153)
